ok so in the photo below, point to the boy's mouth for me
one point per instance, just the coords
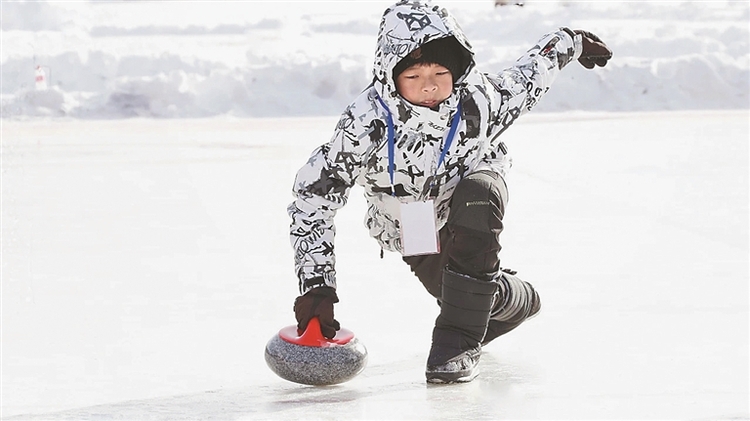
(429, 103)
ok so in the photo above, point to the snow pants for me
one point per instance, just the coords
(470, 240)
(470, 247)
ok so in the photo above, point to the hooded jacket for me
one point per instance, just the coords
(358, 151)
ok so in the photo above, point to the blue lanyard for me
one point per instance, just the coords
(392, 141)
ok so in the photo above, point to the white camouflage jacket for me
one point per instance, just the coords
(358, 152)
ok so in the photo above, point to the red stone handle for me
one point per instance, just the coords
(312, 336)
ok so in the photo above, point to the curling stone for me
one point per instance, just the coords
(311, 358)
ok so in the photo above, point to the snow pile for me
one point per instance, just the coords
(200, 59)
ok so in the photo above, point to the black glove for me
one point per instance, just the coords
(318, 302)
(595, 51)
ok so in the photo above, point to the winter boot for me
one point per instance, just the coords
(516, 301)
(459, 329)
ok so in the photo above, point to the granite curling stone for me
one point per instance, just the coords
(313, 359)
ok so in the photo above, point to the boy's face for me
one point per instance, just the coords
(425, 84)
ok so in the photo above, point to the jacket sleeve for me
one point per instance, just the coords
(517, 89)
(321, 187)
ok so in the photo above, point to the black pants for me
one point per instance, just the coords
(470, 240)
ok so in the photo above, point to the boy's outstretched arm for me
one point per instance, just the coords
(519, 88)
(524, 84)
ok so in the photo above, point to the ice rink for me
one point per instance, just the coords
(146, 263)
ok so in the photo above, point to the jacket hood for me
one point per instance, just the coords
(404, 27)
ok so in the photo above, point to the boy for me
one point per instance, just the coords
(422, 140)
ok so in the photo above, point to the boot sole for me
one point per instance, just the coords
(449, 378)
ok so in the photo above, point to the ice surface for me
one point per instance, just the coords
(146, 264)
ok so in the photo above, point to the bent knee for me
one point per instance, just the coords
(478, 202)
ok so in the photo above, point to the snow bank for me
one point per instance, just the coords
(184, 59)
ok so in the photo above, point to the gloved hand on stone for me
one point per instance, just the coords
(318, 302)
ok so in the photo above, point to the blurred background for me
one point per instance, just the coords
(171, 59)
